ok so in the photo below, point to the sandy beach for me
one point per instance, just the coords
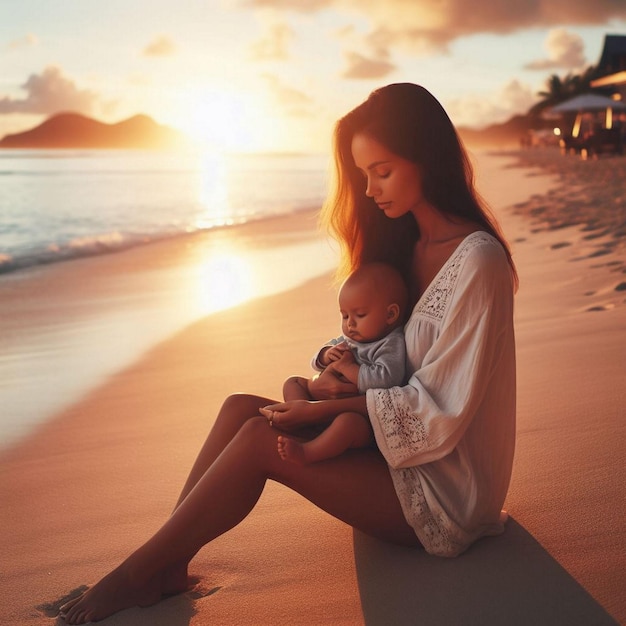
(82, 490)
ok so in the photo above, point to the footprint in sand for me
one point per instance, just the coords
(561, 244)
(201, 591)
(598, 253)
(597, 235)
(602, 307)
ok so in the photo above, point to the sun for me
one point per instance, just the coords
(218, 119)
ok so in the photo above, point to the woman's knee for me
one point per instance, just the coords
(240, 407)
(241, 402)
(257, 438)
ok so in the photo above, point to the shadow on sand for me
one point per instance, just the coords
(508, 579)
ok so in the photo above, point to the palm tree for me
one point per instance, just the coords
(556, 90)
(559, 89)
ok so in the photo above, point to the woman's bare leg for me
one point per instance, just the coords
(235, 412)
(355, 487)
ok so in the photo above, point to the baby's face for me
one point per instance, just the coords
(364, 316)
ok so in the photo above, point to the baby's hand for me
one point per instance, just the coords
(336, 352)
(345, 363)
(347, 357)
(347, 367)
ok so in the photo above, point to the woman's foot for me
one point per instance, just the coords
(175, 580)
(291, 450)
(504, 517)
(115, 592)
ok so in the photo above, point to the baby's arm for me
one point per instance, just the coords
(387, 367)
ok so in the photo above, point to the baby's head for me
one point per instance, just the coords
(372, 302)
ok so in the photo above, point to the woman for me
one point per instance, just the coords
(404, 194)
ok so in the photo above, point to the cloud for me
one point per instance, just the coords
(292, 101)
(275, 45)
(426, 25)
(565, 50)
(371, 61)
(27, 41)
(50, 92)
(361, 67)
(434, 24)
(161, 46)
(301, 6)
(477, 111)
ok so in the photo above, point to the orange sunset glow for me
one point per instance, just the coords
(274, 75)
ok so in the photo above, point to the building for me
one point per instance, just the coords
(611, 68)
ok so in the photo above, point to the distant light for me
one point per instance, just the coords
(616, 96)
(557, 132)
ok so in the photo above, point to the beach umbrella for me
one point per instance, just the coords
(588, 102)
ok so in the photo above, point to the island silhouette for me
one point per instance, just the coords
(74, 130)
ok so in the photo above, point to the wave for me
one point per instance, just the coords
(108, 243)
(75, 249)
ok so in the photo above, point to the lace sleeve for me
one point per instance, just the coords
(404, 429)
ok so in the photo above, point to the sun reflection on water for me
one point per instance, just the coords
(224, 280)
(212, 191)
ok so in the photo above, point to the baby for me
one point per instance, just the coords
(371, 354)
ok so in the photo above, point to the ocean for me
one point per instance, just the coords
(62, 204)
(66, 205)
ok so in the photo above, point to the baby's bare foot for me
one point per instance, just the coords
(115, 592)
(291, 450)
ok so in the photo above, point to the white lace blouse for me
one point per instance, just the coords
(449, 434)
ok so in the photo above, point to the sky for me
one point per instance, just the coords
(274, 75)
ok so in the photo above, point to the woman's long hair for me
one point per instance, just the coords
(410, 122)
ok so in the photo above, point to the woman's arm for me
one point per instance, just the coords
(299, 413)
(348, 367)
(330, 384)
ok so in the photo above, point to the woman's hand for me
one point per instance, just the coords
(292, 415)
(330, 385)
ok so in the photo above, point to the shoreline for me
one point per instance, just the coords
(104, 244)
(67, 327)
(106, 470)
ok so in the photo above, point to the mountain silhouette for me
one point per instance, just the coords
(73, 130)
(504, 133)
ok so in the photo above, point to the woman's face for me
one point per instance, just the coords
(394, 183)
